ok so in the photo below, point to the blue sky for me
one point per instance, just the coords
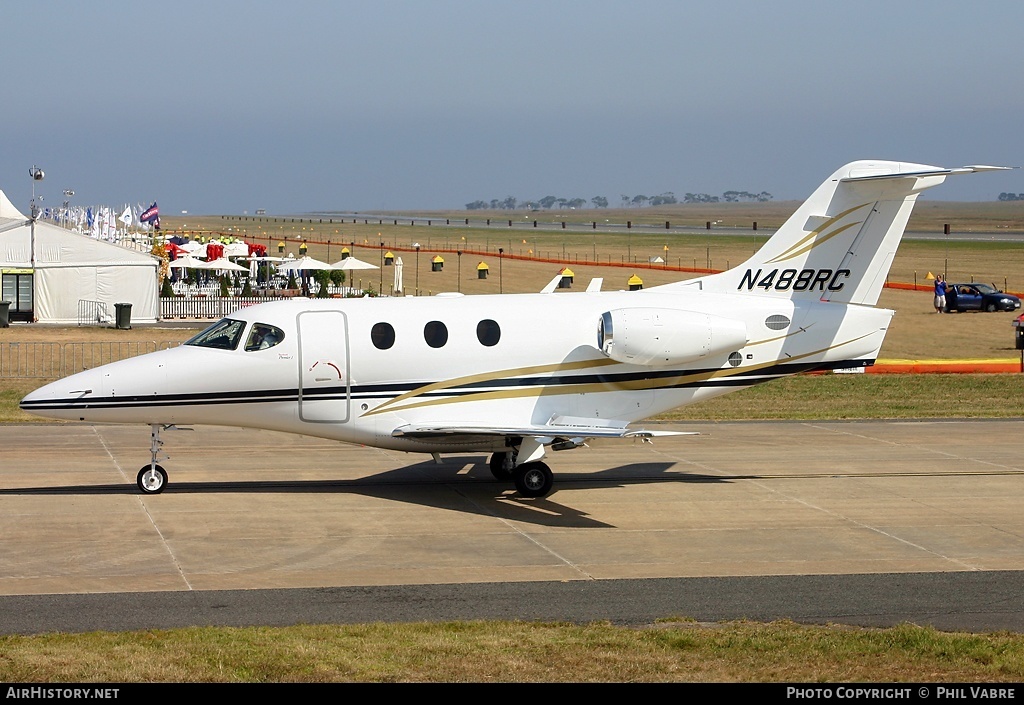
(226, 107)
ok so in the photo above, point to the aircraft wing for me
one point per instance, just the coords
(556, 427)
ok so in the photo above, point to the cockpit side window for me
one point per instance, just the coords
(222, 335)
(263, 336)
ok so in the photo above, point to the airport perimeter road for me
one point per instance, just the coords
(891, 521)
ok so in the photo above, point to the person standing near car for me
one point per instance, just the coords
(951, 292)
(940, 293)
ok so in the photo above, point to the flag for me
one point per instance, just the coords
(151, 216)
(107, 224)
(126, 217)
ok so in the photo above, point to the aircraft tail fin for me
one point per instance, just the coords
(838, 246)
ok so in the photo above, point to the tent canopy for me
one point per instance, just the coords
(68, 268)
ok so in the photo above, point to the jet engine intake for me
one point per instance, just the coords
(665, 336)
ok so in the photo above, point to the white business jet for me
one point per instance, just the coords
(514, 375)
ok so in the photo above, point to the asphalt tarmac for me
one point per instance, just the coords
(868, 523)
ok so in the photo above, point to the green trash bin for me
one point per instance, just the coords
(124, 316)
(5, 314)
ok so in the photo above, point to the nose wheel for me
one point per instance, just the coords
(152, 479)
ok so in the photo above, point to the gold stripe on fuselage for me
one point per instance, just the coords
(589, 388)
(493, 376)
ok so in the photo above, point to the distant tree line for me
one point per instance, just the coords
(638, 201)
(1011, 197)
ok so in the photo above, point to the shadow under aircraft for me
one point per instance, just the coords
(447, 485)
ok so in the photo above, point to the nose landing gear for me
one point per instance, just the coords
(152, 478)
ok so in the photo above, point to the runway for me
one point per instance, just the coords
(856, 522)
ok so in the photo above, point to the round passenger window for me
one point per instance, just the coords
(488, 332)
(382, 335)
(436, 334)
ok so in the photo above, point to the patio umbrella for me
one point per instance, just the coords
(398, 275)
(295, 265)
(350, 263)
(223, 264)
(188, 262)
(303, 265)
(254, 261)
(236, 249)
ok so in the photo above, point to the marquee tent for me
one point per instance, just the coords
(49, 275)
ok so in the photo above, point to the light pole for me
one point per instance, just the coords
(68, 193)
(459, 253)
(501, 251)
(945, 262)
(36, 174)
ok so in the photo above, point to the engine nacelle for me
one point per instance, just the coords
(665, 336)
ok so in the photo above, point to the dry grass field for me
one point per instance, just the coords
(916, 333)
(995, 255)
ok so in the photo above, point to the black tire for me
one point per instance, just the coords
(497, 463)
(533, 479)
(151, 482)
(990, 307)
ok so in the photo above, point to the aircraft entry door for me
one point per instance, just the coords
(324, 384)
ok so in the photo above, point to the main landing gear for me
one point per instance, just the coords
(532, 479)
(152, 478)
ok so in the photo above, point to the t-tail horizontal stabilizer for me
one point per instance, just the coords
(839, 244)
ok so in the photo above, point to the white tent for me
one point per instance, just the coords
(71, 272)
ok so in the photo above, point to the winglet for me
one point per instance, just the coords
(552, 285)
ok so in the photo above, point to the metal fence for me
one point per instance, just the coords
(93, 312)
(207, 306)
(51, 360)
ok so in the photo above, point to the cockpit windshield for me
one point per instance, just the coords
(222, 335)
(263, 336)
